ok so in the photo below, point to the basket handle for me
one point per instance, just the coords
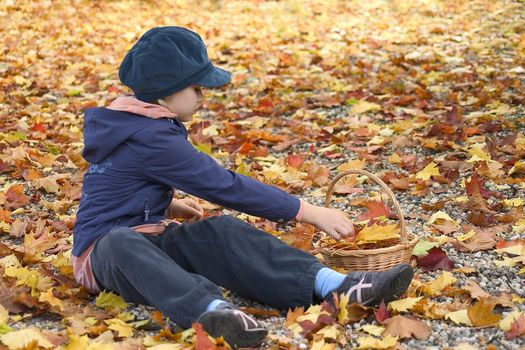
(380, 183)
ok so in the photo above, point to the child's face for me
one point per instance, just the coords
(184, 103)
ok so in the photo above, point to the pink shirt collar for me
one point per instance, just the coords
(133, 105)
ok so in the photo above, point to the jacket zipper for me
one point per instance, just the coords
(146, 211)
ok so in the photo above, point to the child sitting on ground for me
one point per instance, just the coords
(138, 153)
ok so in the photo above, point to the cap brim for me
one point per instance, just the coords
(217, 77)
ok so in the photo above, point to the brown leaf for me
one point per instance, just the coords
(19, 228)
(482, 240)
(357, 312)
(404, 327)
(260, 312)
(400, 184)
(517, 328)
(480, 314)
(477, 203)
(15, 196)
(475, 290)
(299, 237)
(292, 316)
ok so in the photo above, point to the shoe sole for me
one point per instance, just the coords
(227, 325)
(395, 284)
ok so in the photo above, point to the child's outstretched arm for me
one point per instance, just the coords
(173, 161)
(332, 221)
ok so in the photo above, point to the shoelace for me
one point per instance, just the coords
(358, 288)
(247, 320)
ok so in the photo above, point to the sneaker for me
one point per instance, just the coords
(369, 288)
(237, 328)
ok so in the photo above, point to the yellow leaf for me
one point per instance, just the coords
(109, 300)
(478, 154)
(461, 199)
(343, 309)
(403, 304)
(519, 227)
(363, 107)
(48, 297)
(10, 261)
(126, 316)
(376, 233)
(123, 329)
(466, 236)
(4, 315)
(5, 227)
(430, 170)
(329, 332)
(516, 299)
(367, 342)
(376, 140)
(77, 342)
(505, 323)
(352, 164)
(514, 202)
(372, 329)
(506, 262)
(22, 338)
(442, 281)
(459, 317)
(438, 217)
(211, 130)
(394, 158)
(519, 166)
(30, 278)
(513, 250)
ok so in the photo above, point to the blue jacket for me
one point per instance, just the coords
(135, 162)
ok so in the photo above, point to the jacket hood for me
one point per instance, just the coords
(106, 129)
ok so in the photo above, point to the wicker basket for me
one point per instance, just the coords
(371, 259)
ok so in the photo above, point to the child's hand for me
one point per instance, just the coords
(184, 208)
(332, 221)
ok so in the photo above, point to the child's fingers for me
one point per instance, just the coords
(195, 212)
(334, 234)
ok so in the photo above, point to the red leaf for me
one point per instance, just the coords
(435, 259)
(476, 185)
(15, 195)
(517, 328)
(39, 127)
(382, 313)
(295, 160)
(375, 209)
(202, 341)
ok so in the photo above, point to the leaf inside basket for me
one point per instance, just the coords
(377, 233)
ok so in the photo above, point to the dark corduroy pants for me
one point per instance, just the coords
(178, 271)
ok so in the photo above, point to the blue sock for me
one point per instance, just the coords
(213, 305)
(326, 281)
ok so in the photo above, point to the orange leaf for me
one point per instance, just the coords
(202, 341)
(15, 195)
(480, 314)
(292, 316)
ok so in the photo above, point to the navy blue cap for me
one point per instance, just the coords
(166, 60)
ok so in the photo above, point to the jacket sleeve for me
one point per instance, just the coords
(172, 160)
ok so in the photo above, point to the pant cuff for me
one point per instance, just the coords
(200, 307)
(309, 283)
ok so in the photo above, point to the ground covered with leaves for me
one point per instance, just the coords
(428, 95)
